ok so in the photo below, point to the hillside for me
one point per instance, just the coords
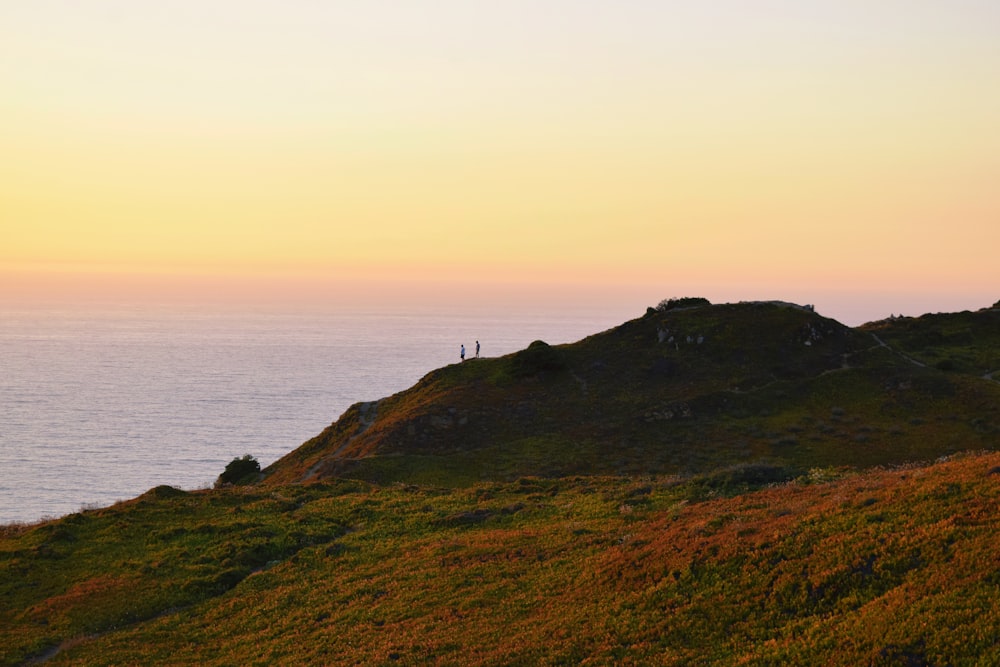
(885, 567)
(734, 484)
(681, 391)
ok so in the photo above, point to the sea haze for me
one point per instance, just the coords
(100, 404)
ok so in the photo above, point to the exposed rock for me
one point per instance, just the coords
(441, 422)
(666, 413)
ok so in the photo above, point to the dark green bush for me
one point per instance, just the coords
(946, 365)
(682, 302)
(240, 471)
(740, 478)
(538, 357)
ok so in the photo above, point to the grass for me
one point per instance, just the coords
(737, 496)
(967, 342)
(628, 401)
(735, 567)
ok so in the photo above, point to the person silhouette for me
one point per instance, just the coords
(477, 349)
(463, 352)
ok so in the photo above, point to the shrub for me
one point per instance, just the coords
(946, 365)
(741, 478)
(538, 357)
(682, 302)
(240, 471)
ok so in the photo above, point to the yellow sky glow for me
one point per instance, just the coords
(526, 143)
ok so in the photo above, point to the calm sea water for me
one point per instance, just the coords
(100, 404)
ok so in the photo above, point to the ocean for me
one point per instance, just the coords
(100, 403)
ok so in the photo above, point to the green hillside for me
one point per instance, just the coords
(966, 343)
(678, 391)
(734, 484)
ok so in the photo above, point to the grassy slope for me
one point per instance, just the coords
(878, 567)
(627, 402)
(964, 342)
(663, 552)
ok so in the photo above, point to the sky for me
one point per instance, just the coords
(845, 154)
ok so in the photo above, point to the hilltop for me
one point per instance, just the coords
(706, 484)
(684, 389)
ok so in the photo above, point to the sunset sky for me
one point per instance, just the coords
(839, 153)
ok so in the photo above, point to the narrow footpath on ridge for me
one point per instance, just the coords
(913, 361)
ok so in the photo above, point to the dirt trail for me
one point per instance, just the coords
(882, 343)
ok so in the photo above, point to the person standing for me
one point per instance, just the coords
(462, 353)
(477, 349)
